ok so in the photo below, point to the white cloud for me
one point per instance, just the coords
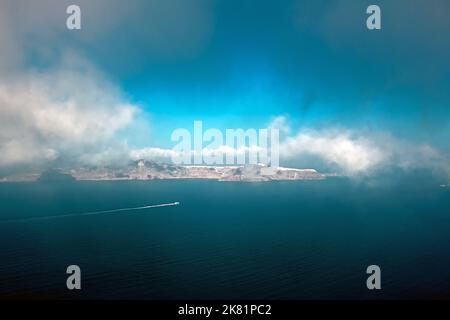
(152, 154)
(280, 123)
(349, 152)
(362, 152)
(68, 110)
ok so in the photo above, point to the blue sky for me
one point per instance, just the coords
(241, 64)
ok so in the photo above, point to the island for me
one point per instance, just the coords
(150, 170)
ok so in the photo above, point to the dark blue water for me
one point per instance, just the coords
(284, 240)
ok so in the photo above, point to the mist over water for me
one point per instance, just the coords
(283, 240)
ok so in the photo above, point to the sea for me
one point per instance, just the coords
(226, 240)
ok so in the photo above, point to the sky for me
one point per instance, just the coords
(346, 98)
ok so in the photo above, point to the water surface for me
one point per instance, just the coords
(283, 240)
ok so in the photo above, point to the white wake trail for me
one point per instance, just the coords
(91, 213)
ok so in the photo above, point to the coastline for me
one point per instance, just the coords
(144, 171)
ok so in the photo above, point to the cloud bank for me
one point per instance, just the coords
(69, 110)
(55, 105)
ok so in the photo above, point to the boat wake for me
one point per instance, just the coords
(92, 213)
